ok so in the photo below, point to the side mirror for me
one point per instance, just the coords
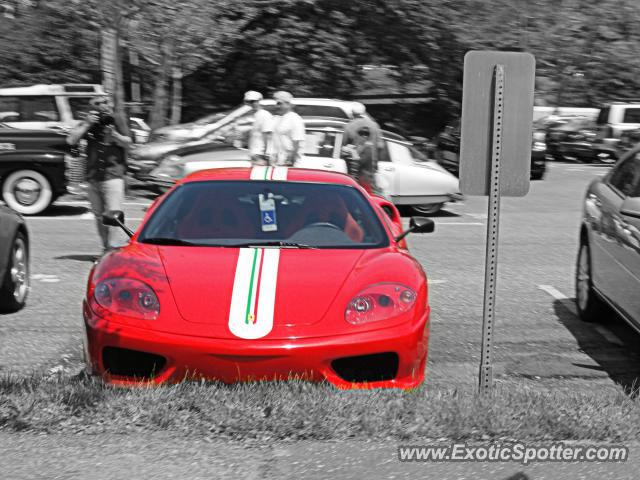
(631, 207)
(115, 218)
(418, 225)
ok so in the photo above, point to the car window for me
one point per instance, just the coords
(399, 154)
(320, 111)
(79, 106)
(228, 213)
(631, 115)
(625, 175)
(319, 143)
(29, 109)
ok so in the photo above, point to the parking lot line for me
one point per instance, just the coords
(557, 294)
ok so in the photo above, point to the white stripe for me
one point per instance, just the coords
(608, 335)
(558, 295)
(240, 296)
(280, 173)
(257, 173)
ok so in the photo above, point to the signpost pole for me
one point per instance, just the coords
(493, 220)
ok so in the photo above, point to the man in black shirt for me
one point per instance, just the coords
(107, 145)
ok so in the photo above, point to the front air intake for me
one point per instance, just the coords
(133, 364)
(367, 368)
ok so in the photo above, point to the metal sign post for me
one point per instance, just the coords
(495, 155)
(493, 223)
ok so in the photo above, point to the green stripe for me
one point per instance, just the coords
(266, 172)
(253, 272)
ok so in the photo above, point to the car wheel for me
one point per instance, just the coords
(27, 192)
(428, 209)
(590, 306)
(15, 285)
(537, 175)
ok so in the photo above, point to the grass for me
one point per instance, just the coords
(299, 410)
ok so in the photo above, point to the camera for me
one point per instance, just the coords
(104, 119)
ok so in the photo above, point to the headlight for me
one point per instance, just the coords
(539, 146)
(124, 296)
(382, 301)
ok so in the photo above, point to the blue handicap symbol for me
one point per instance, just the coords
(267, 218)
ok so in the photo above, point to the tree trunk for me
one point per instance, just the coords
(118, 93)
(176, 98)
(158, 117)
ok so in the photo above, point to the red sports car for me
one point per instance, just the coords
(261, 273)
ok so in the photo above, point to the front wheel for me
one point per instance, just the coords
(27, 192)
(428, 209)
(15, 285)
(590, 306)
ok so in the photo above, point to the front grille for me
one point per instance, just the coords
(367, 368)
(75, 171)
(134, 364)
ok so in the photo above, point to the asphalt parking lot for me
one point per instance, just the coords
(538, 338)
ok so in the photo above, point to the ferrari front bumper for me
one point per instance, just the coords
(397, 356)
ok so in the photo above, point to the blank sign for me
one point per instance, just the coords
(477, 122)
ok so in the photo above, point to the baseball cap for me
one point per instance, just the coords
(358, 109)
(283, 96)
(252, 96)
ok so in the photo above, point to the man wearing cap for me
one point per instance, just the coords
(107, 144)
(288, 131)
(260, 134)
(362, 139)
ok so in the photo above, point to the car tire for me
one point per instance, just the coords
(427, 209)
(27, 192)
(15, 284)
(590, 306)
(537, 175)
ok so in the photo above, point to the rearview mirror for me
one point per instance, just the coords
(115, 218)
(418, 225)
(631, 207)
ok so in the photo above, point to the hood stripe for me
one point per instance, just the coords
(254, 290)
(262, 172)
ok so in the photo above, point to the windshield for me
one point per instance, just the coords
(265, 213)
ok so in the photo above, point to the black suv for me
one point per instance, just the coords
(448, 151)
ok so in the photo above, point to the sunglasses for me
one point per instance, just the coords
(101, 102)
(250, 102)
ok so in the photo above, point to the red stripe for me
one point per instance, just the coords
(255, 313)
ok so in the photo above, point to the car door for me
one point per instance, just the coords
(610, 257)
(322, 150)
(627, 250)
(30, 112)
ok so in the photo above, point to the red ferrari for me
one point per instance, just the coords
(261, 273)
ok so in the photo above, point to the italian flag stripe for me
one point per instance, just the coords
(254, 291)
(262, 172)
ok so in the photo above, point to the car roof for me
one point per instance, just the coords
(293, 175)
(70, 89)
(339, 123)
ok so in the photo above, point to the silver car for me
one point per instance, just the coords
(608, 266)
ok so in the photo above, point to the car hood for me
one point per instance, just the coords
(295, 287)
(154, 150)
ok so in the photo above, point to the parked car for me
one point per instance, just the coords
(404, 174)
(234, 125)
(263, 273)
(46, 106)
(573, 137)
(448, 151)
(608, 266)
(614, 119)
(35, 168)
(14, 261)
(184, 131)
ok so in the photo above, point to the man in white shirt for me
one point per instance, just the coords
(260, 134)
(288, 131)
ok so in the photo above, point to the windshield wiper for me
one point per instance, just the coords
(169, 241)
(273, 243)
